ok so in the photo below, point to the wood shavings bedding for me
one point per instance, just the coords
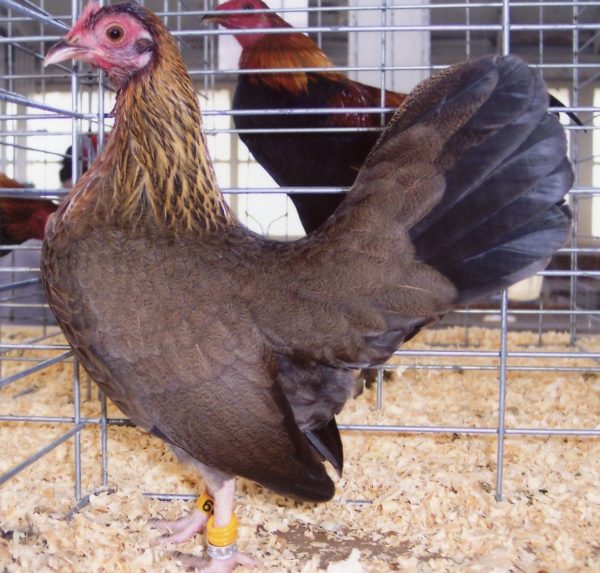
(411, 502)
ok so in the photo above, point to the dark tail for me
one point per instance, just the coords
(469, 177)
(502, 215)
(555, 102)
(328, 444)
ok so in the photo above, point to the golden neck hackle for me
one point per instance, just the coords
(156, 167)
(286, 51)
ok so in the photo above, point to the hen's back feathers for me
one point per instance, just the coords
(461, 196)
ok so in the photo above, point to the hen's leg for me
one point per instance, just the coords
(184, 528)
(221, 536)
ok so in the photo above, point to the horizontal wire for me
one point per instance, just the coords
(55, 20)
(43, 364)
(383, 428)
(41, 453)
(343, 30)
(38, 15)
(466, 430)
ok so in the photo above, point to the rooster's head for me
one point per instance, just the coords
(251, 15)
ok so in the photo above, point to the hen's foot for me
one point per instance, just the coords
(181, 529)
(193, 563)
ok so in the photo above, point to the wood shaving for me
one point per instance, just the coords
(406, 502)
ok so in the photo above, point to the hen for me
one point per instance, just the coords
(21, 218)
(317, 159)
(236, 350)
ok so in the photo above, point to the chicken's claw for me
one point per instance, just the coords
(181, 529)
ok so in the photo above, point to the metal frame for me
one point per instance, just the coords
(24, 11)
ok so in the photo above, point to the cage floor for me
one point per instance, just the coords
(405, 503)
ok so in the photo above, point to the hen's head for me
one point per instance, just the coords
(121, 39)
(251, 16)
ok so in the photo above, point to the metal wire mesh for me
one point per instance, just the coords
(43, 111)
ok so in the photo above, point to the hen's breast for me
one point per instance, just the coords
(141, 311)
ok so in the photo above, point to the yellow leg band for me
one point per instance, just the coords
(221, 536)
(205, 503)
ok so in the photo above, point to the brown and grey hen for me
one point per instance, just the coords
(237, 350)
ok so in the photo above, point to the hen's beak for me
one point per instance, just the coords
(62, 51)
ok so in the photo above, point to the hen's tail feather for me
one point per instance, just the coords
(526, 185)
(514, 152)
(328, 444)
(555, 102)
(517, 257)
(512, 215)
(500, 218)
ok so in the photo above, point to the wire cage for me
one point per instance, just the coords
(54, 121)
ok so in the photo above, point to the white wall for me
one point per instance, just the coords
(403, 48)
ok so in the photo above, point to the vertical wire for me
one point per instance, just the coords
(541, 322)
(502, 395)
(77, 419)
(383, 59)
(43, 91)
(6, 124)
(505, 27)
(468, 32)
(75, 109)
(575, 198)
(3, 106)
(467, 321)
(541, 37)
(75, 174)
(503, 315)
(319, 24)
(541, 59)
(379, 388)
(101, 394)
(104, 438)
(10, 55)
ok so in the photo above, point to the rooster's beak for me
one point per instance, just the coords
(210, 19)
(64, 50)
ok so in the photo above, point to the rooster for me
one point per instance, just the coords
(321, 159)
(21, 218)
(318, 159)
(237, 350)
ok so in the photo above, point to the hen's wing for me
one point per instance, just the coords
(159, 324)
(472, 165)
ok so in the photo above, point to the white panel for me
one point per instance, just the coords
(403, 48)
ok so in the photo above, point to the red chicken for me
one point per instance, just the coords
(317, 159)
(322, 159)
(236, 350)
(21, 219)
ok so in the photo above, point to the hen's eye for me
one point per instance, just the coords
(248, 6)
(114, 33)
